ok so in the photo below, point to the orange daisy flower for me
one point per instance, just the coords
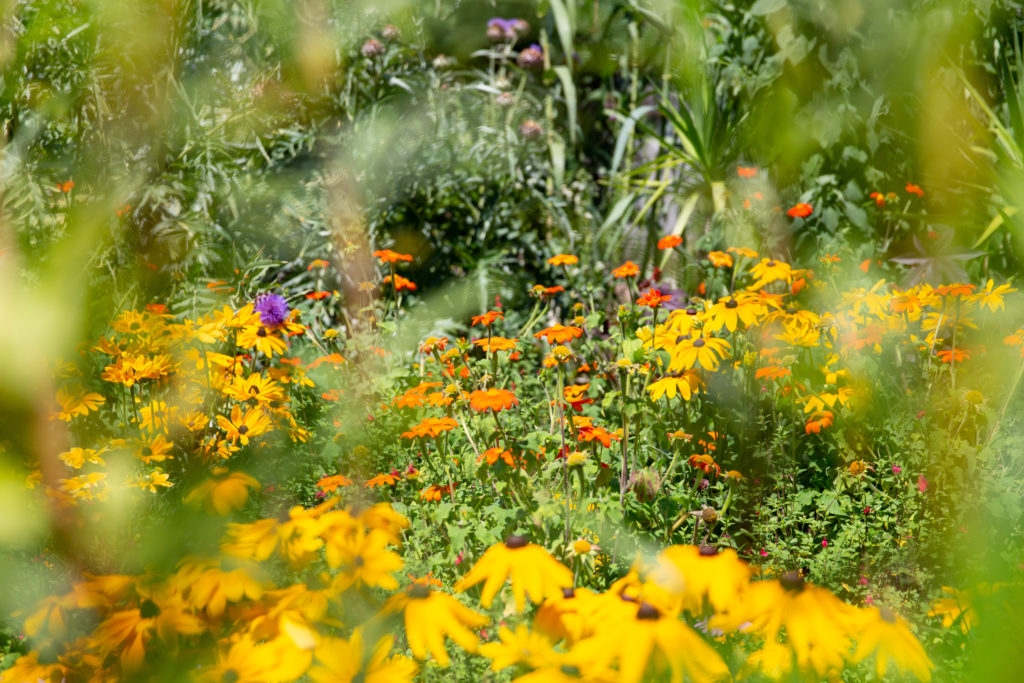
(316, 296)
(493, 455)
(401, 283)
(430, 427)
(559, 334)
(669, 241)
(653, 298)
(563, 260)
(488, 318)
(328, 484)
(435, 493)
(388, 256)
(746, 171)
(914, 189)
(720, 259)
(483, 400)
(801, 210)
(820, 419)
(385, 479)
(626, 270)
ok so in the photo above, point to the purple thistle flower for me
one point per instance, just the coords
(273, 309)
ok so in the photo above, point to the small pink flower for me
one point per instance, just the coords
(764, 553)
(867, 510)
(824, 543)
(868, 600)
(922, 483)
(863, 580)
(458, 558)
(896, 469)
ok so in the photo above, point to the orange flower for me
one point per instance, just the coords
(598, 434)
(772, 372)
(316, 296)
(563, 260)
(669, 241)
(719, 259)
(435, 492)
(575, 395)
(820, 419)
(801, 210)
(317, 263)
(626, 270)
(385, 479)
(483, 400)
(388, 256)
(401, 283)
(430, 427)
(914, 189)
(493, 455)
(488, 318)
(492, 344)
(705, 463)
(743, 251)
(653, 298)
(66, 186)
(746, 171)
(328, 484)
(952, 355)
(544, 292)
(559, 334)
(879, 198)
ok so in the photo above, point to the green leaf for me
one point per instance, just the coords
(763, 8)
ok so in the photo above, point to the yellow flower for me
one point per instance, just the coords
(76, 403)
(363, 557)
(260, 338)
(645, 642)
(956, 608)
(223, 495)
(888, 635)
(348, 661)
(770, 270)
(128, 632)
(254, 388)
(563, 260)
(991, 297)
(430, 616)
(150, 482)
(743, 307)
(702, 575)
(818, 626)
(521, 646)
(242, 427)
(533, 571)
(247, 661)
(685, 385)
(209, 588)
(703, 351)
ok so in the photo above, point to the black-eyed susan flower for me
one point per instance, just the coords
(76, 402)
(352, 660)
(886, 635)
(534, 573)
(649, 643)
(362, 557)
(225, 493)
(701, 576)
(770, 270)
(521, 646)
(684, 385)
(691, 352)
(241, 426)
(430, 616)
(256, 388)
(729, 312)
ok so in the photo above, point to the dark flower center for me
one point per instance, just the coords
(253, 390)
(691, 311)
(792, 581)
(149, 609)
(230, 676)
(262, 332)
(419, 591)
(568, 593)
(770, 264)
(243, 430)
(697, 343)
(731, 303)
(514, 541)
(647, 612)
(570, 670)
(708, 550)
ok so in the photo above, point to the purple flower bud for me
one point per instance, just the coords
(273, 309)
(531, 57)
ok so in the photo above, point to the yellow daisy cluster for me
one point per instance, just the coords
(656, 621)
(765, 329)
(232, 618)
(208, 387)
